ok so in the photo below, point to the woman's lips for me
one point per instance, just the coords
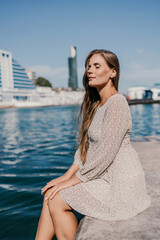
(91, 78)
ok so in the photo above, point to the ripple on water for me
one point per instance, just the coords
(8, 162)
(18, 189)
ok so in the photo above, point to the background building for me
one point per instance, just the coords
(72, 62)
(31, 75)
(144, 92)
(13, 75)
(6, 70)
(14, 82)
(156, 91)
(17, 88)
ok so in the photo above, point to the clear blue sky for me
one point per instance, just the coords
(39, 35)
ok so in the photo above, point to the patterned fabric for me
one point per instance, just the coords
(113, 181)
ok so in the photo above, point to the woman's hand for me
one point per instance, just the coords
(53, 182)
(57, 188)
(62, 185)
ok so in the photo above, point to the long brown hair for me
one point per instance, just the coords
(91, 99)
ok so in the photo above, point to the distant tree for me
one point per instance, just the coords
(40, 81)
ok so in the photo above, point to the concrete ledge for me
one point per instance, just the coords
(145, 225)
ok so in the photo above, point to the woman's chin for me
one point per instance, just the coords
(91, 84)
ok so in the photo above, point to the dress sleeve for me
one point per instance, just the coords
(114, 128)
(77, 159)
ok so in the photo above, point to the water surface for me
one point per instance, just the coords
(37, 145)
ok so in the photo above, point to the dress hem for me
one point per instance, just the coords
(108, 219)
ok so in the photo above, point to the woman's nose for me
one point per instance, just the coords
(89, 71)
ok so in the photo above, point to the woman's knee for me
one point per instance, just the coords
(56, 204)
(46, 195)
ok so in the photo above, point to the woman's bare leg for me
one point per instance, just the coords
(64, 220)
(45, 230)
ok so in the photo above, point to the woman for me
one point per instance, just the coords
(106, 180)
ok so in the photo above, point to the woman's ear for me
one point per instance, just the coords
(113, 74)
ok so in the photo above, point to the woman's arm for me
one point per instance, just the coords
(71, 171)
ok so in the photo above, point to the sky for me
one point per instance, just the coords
(39, 35)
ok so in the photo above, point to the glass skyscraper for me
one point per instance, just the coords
(72, 63)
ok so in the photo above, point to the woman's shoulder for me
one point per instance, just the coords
(118, 95)
(118, 103)
(118, 98)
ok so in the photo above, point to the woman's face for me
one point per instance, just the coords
(98, 72)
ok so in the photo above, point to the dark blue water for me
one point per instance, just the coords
(145, 120)
(37, 145)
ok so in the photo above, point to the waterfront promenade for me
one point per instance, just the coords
(145, 226)
(60, 97)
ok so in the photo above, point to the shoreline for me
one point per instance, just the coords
(53, 105)
(64, 99)
(36, 106)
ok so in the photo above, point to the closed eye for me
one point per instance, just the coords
(95, 64)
